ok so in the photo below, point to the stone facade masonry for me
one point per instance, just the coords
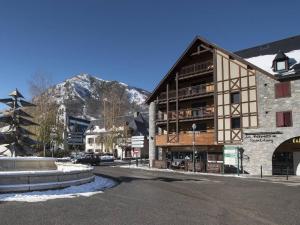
(259, 149)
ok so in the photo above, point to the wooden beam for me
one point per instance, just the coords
(215, 80)
(167, 106)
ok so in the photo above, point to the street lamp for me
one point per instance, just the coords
(194, 161)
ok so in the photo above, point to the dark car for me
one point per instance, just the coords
(90, 159)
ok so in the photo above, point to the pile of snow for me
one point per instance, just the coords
(96, 129)
(84, 190)
(265, 61)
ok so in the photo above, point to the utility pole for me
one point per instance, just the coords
(194, 160)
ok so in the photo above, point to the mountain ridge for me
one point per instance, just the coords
(84, 95)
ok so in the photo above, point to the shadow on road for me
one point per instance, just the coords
(128, 179)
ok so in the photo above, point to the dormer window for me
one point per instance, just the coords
(281, 66)
(281, 62)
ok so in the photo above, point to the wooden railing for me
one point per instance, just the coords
(190, 113)
(200, 89)
(201, 138)
(196, 68)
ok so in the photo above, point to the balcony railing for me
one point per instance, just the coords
(196, 68)
(191, 113)
(201, 138)
(200, 89)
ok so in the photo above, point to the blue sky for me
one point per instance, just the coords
(135, 42)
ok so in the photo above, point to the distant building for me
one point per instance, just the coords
(117, 140)
(74, 130)
(245, 105)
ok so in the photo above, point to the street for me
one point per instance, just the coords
(152, 197)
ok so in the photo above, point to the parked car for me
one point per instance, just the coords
(90, 159)
(107, 158)
(64, 159)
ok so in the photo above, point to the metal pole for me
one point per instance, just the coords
(261, 175)
(194, 161)
(238, 163)
(287, 173)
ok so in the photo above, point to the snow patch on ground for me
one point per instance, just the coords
(85, 190)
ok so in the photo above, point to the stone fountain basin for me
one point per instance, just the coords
(27, 164)
(66, 174)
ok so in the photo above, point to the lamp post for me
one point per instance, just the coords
(194, 161)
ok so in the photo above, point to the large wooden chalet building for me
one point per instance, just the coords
(232, 98)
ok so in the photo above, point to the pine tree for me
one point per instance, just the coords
(16, 136)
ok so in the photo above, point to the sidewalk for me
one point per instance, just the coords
(292, 180)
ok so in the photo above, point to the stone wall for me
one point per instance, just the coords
(259, 148)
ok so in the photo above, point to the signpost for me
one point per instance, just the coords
(137, 142)
(231, 157)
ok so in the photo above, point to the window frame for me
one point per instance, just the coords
(231, 123)
(278, 87)
(284, 119)
(231, 97)
(286, 65)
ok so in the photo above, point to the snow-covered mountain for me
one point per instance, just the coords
(84, 95)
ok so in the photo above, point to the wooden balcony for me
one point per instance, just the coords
(197, 68)
(186, 139)
(190, 113)
(197, 90)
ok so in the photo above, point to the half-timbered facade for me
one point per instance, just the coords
(216, 90)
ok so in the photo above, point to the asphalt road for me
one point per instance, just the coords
(149, 197)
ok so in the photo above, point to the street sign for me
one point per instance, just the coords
(137, 138)
(231, 155)
(137, 141)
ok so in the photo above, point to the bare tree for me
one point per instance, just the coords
(39, 83)
(115, 104)
(46, 112)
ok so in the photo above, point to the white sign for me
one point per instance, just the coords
(137, 141)
(231, 156)
(137, 138)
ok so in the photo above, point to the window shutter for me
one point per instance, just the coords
(282, 90)
(279, 119)
(278, 91)
(286, 91)
(287, 119)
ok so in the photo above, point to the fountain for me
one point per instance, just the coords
(19, 170)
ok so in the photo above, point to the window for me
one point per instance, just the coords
(235, 123)
(235, 98)
(280, 62)
(283, 90)
(202, 127)
(281, 65)
(91, 140)
(284, 119)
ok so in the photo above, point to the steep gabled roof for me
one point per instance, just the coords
(284, 45)
(139, 125)
(264, 55)
(211, 45)
(280, 56)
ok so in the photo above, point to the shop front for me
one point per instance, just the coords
(286, 158)
(207, 158)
